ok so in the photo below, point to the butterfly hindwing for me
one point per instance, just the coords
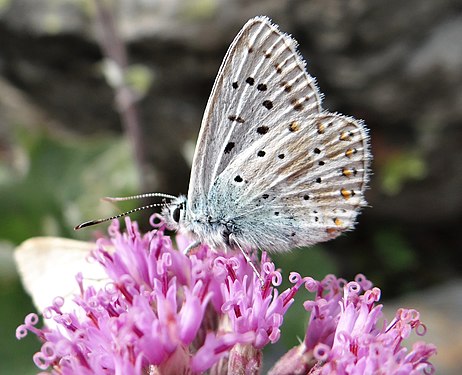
(301, 184)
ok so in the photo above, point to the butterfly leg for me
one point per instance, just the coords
(191, 246)
(249, 261)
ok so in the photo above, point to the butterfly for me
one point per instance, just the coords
(272, 169)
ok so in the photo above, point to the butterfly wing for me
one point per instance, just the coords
(261, 80)
(301, 183)
(48, 266)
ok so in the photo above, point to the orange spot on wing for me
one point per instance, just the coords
(347, 172)
(345, 136)
(294, 126)
(333, 232)
(345, 193)
(350, 152)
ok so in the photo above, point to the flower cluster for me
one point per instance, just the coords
(344, 335)
(161, 312)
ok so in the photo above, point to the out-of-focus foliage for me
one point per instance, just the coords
(55, 183)
(399, 169)
(59, 183)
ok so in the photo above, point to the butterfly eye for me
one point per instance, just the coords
(176, 214)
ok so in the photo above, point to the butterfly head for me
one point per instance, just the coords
(174, 213)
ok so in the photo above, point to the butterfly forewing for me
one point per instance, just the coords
(262, 79)
(301, 184)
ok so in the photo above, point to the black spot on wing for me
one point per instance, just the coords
(229, 147)
(250, 81)
(262, 87)
(262, 130)
(268, 104)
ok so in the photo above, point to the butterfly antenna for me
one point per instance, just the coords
(98, 221)
(139, 196)
(119, 199)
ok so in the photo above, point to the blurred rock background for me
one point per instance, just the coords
(103, 98)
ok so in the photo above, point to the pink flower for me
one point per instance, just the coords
(345, 336)
(161, 312)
